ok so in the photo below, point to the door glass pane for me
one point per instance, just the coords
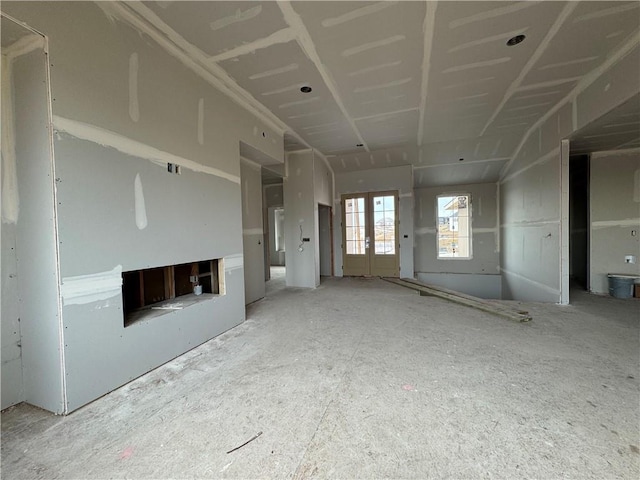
(384, 225)
(355, 225)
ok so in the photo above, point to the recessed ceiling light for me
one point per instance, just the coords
(359, 145)
(515, 40)
(305, 89)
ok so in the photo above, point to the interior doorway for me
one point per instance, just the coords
(274, 233)
(579, 221)
(325, 236)
(370, 234)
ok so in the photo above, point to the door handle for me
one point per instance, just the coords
(366, 242)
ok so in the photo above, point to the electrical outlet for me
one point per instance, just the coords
(629, 259)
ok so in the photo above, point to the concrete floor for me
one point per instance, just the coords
(364, 379)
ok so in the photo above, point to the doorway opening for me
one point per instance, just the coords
(579, 221)
(370, 234)
(274, 234)
(325, 236)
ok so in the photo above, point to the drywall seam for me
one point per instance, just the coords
(541, 286)
(627, 222)
(385, 114)
(531, 223)
(432, 230)
(307, 45)
(586, 81)
(544, 159)
(10, 195)
(492, 38)
(253, 231)
(488, 14)
(26, 44)
(237, 17)
(281, 36)
(201, 121)
(145, 21)
(83, 289)
(462, 164)
(251, 163)
(357, 13)
(371, 45)
(140, 209)
(542, 47)
(106, 138)
(608, 153)
(134, 108)
(233, 262)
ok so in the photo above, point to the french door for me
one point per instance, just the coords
(370, 243)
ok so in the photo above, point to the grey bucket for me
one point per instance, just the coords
(621, 286)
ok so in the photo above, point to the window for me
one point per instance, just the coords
(157, 288)
(454, 226)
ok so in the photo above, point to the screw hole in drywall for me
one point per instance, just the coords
(264, 135)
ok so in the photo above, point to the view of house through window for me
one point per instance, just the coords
(454, 226)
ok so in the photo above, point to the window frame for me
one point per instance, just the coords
(470, 222)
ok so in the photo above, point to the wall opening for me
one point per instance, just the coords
(147, 291)
(579, 221)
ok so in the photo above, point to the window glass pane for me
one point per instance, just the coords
(384, 225)
(454, 226)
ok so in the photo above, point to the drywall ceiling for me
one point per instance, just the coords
(617, 130)
(412, 82)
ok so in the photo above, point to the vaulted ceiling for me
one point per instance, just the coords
(401, 82)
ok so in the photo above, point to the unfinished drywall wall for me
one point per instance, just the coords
(32, 237)
(123, 109)
(300, 220)
(309, 182)
(614, 216)
(12, 390)
(378, 180)
(480, 275)
(252, 231)
(533, 225)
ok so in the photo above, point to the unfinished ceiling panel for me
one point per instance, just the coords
(387, 130)
(464, 173)
(219, 27)
(471, 65)
(390, 157)
(619, 129)
(373, 51)
(275, 75)
(584, 41)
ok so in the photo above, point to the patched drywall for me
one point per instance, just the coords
(378, 180)
(119, 119)
(614, 216)
(480, 275)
